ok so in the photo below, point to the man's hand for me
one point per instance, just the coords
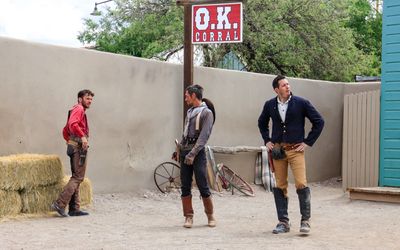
(300, 147)
(269, 146)
(85, 144)
(188, 159)
(174, 156)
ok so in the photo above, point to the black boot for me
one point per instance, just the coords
(281, 203)
(58, 209)
(304, 195)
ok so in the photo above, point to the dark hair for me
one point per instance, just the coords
(196, 89)
(275, 82)
(211, 107)
(84, 92)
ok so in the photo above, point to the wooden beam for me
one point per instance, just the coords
(385, 194)
(187, 53)
(234, 150)
(187, 42)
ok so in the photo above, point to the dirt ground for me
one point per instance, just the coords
(151, 220)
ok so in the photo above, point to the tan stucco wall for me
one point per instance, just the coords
(137, 111)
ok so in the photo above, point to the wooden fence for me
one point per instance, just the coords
(360, 156)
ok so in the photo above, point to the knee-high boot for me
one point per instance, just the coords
(187, 211)
(281, 203)
(209, 210)
(304, 195)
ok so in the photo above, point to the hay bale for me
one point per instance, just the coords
(26, 171)
(10, 203)
(39, 199)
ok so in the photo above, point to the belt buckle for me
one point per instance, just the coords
(290, 147)
(74, 143)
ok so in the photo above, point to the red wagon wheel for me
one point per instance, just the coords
(231, 180)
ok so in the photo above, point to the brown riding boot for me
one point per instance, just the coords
(209, 210)
(187, 211)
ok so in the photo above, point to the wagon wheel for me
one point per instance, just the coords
(232, 180)
(167, 177)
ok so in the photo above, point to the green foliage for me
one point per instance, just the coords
(136, 28)
(366, 24)
(300, 38)
(317, 39)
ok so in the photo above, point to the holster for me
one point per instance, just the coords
(187, 147)
(82, 156)
(77, 144)
(278, 153)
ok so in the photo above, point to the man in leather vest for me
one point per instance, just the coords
(198, 125)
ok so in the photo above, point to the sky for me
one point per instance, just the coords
(46, 21)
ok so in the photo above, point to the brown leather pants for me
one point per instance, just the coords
(70, 194)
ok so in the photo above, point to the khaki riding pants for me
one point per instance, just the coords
(296, 161)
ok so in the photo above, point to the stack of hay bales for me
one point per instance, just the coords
(10, 203)
(29, 183)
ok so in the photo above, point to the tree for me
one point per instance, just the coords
(138, 28)
(299, 38)
(366, 22)
(302, 38)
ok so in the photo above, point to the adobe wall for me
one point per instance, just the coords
(137, 111)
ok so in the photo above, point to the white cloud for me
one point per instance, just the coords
(48, 21)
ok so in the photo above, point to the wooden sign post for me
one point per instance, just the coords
(215, 22)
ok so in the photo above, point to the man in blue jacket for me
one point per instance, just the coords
(287, 144)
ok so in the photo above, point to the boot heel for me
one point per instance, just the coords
(188, 222)
(187, 211)
(209, 210)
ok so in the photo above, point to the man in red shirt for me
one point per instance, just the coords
(75, 133)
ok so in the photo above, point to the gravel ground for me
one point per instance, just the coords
(151, 220)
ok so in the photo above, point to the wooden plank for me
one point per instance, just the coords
(359, 123)
(353, 154)
(390, 9)
(363, 123)
(393, 173)
(374, 197)
(394, 66)
(391, 153)
(376, 128)
(390, 163)
(385, 194)
(392, 57)
(345, 141)
(234, 150)
(368, 144)
(380, 190)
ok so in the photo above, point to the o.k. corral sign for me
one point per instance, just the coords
(217, 23)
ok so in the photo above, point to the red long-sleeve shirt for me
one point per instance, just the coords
(77, 124)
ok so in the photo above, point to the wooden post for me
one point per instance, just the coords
(188, 46)
(188, 53)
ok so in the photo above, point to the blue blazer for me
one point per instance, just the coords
(292, 130)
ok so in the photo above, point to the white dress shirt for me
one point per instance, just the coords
(282, 108)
